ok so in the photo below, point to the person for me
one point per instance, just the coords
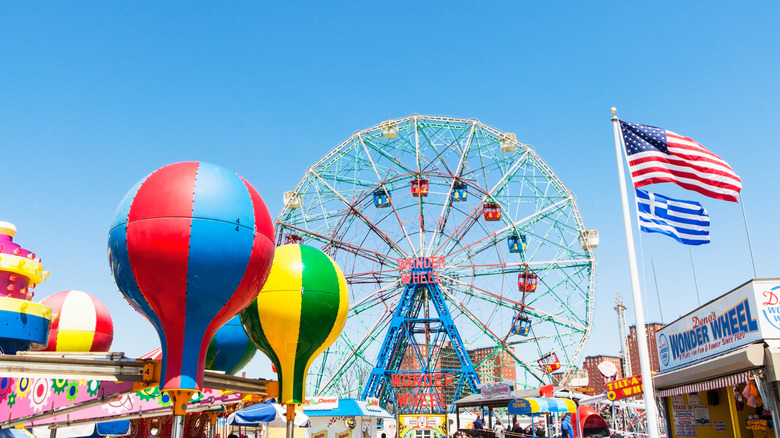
(566, 430)
(498, 428)
(516, 429)
(477, 427)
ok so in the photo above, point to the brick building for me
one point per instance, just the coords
(595, 378)
(633, 347)
(499, 367)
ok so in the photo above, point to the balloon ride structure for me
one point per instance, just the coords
(190, 246)
(299, 312)
(24, 325)
(80, 323)
(230, 349)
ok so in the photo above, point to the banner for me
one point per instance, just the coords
(743, 316)
(321, 403)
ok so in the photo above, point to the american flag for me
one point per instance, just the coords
(656, 155)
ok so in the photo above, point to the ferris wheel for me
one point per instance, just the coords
(465, 257)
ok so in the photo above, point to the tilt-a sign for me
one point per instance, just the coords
(624, 388)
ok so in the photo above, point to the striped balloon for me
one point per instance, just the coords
(190, 246)
(298, 314)
(81, 323)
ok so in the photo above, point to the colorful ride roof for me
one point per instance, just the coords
(538, 405)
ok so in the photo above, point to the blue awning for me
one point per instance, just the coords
(349, 407)
(15, 433)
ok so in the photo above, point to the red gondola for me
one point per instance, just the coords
(419, 187)
(527, 280)
(492, 212)
(549, 363)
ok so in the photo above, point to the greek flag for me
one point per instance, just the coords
(685, 221)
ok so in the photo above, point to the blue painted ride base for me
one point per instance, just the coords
(21, 331)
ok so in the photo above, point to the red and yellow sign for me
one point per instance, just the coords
(320, 434)
(628, 387)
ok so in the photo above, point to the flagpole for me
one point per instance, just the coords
(641, 333)
(657, 294)
(695, 281)
(750, 246)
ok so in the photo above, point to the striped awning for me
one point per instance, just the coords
(720, 382)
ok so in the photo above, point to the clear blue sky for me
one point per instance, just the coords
(95, 95)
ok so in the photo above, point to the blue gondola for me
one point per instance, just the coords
(516, 243)
(381, 198)
(522, 326)
(460, 191)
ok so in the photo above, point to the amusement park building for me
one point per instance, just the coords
(720, 365)
(595, 379)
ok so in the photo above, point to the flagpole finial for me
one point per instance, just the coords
(613, 110)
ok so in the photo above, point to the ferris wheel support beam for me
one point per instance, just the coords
(400, 335)
(487, 241)
(503, 300)
(340, 369)
(487, 331)
(340, 244)
(488, 195)
(371, 226)
(381, 182)
(447, 206)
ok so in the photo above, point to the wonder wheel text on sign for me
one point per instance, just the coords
(466, 258)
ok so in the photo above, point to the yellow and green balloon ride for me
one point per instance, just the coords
(300, 311)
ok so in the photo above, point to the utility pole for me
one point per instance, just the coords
(625, 353)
